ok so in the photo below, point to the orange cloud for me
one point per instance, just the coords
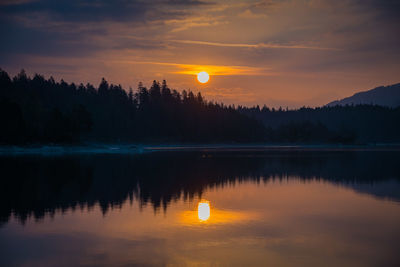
(259, 45)
(192, 69)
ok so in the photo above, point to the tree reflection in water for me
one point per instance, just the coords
(35, 186)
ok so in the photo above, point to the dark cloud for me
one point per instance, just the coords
(384, 8)
(79, 11)
(67, 28)
(186, 2)
(100, 10)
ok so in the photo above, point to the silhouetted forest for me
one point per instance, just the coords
(41, 186)
(39, 110)
(333, 124)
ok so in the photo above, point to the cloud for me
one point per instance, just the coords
(386, 9)
(83, 27)
(248, 14)
(186, 2)
(15, 2)
(192, 69)
(190, 22)
(97, 11)
(259, 45)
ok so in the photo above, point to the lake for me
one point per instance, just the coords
(201, 207)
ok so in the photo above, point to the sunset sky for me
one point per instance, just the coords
(274, 52)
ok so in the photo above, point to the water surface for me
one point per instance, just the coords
(201, 208)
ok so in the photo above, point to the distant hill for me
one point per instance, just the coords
(384, 96)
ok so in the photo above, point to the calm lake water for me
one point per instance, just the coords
(201, 208)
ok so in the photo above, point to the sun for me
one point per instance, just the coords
(203, 77)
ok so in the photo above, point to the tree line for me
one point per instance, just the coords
(349, 124)
(39, 110)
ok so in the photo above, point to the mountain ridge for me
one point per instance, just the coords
(383, 96)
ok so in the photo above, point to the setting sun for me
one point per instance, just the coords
(203, 77)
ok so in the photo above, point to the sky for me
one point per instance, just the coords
(276, 52)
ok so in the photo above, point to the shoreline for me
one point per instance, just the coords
(54, 149)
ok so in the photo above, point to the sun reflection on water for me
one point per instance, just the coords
(201, 216)
(203, 210)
